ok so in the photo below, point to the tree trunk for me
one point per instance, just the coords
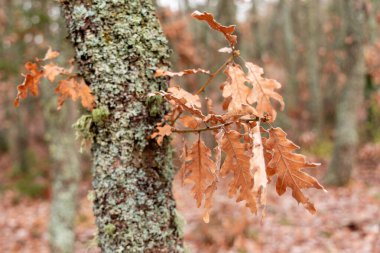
(119, 45)
(316, 100)
(63, 151)
(255, 25)
(351, 99)
(291, 87)
(66, 176)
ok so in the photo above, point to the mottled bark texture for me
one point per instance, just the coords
(119, 45)
(346, 130)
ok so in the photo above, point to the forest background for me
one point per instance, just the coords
(332, 112)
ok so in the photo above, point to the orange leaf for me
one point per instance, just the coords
(162, 132)
(288, 166)
(74, 89)
(31, 82)
(237, 163)
(199, 170)
(161, 72)
(187, 101)
(236, 91)
(190, 121)
(52, 71)
(226, 30)
(263, 90)
(50, 54)
(209, 201)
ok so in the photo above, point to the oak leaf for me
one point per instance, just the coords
(190, 121)
(263, 90)
(226, 30)
(288, 166)
(50, 54)
(236, 91)
(161, 72)
(199, 170)
(209, 193)
(183, 99)
(52, 71)
(163, 131)
(257, 165)
(237, 162)
(30, 83)
(75, 89)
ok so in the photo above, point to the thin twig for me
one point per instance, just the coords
(174, 130)
(213, 75)
(201, 129)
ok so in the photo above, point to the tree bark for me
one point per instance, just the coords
(66, 176)
(316, 100)
(255, 25)
(346, 129)
(119, 45)
(63, 151)
(291, 87)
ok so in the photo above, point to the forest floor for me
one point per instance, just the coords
(348, 220)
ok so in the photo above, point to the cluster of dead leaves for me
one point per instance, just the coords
(68, 87)
(372, 57)
(247, 154)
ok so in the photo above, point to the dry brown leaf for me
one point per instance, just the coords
(263, 90)
(226, 30)
(161, 72)
(183, 99)
(257, 166)
(199, 170)
(236, 91)
(31, 82)
(218, 149)
(209, 193)
(288, 166)
(163, 131)
(190, 121)
(237, 163)
(52, 71)
(50, 54)
(183, 156)
(74, 89)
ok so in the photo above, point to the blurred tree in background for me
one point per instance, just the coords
(38, 130)
(326, 53)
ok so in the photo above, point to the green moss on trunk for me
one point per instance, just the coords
(119, 45)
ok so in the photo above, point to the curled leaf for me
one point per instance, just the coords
(30, 83)
(161, 72)
(257, 166)
(50, 54)
(226, 30)
(183, 99)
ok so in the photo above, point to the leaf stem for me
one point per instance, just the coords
(198, 130)
(213, 75)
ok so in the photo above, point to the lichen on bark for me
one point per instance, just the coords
(119, 45)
